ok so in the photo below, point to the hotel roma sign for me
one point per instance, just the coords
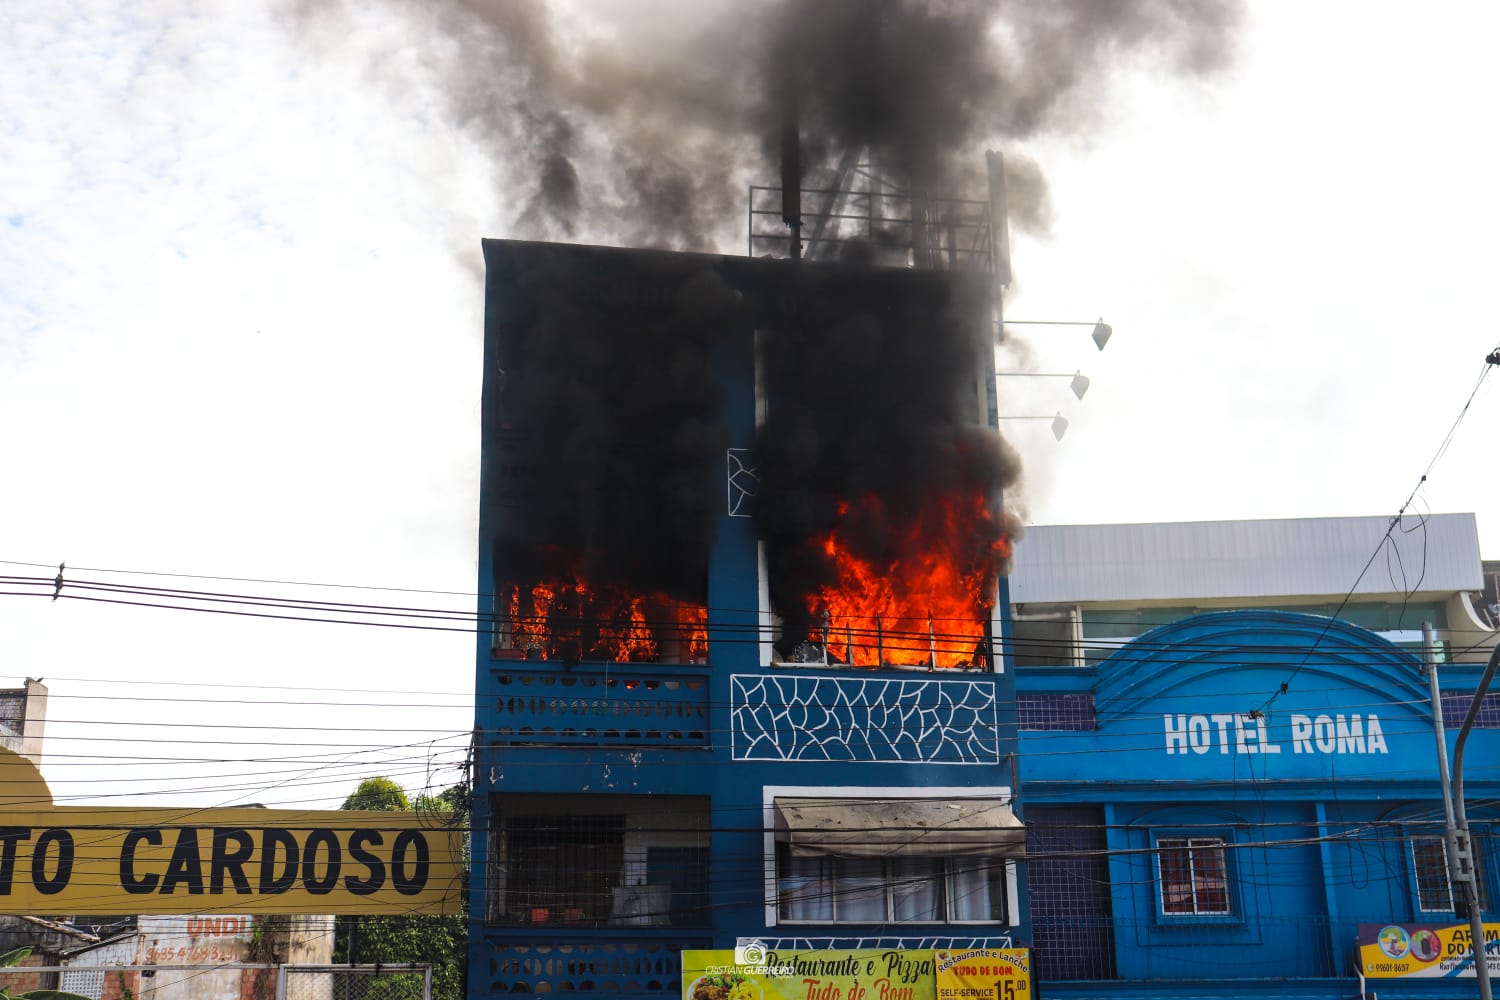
(102, 860)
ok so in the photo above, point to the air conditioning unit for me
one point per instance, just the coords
(641, 906)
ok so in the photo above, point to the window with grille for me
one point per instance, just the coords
(13, 711)
(1192, 876)
(1456, 709)
(1071, 909)
(1055, 711)
(1429, 862)
(599, 861)
(890, 890)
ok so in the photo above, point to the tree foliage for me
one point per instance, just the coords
(13, 958)
(440, 941)
(378, 793)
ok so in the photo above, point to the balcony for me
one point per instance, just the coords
(583, 967)
(596, 704)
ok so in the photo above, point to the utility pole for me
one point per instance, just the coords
(1456, 837)
(1450, 841)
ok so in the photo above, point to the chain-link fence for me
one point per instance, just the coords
(228, 981)
(354, 982)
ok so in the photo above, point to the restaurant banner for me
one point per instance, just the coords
(983, 974)
(754, 972)
(1426, 951)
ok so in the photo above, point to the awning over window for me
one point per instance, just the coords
(864, 828)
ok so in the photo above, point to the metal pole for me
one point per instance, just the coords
(1429, 666)
(1477, 944)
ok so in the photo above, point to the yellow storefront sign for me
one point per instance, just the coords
(98, 860)
(983, 974)
(768, 974)
(755, 972)
(1424, 951)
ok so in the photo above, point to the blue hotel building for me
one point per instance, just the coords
(1237, 802)
(687, 737)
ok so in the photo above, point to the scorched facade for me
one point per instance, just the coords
(742, 551)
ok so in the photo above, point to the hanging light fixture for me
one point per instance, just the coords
(1078, 381)
(1100, 331)
(1059, 422)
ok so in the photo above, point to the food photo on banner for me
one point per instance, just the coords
(1424, 951)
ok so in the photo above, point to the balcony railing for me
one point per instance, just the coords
(597, 705)
(644, 968)
(1080, 947)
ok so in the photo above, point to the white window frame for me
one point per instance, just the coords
(948, 873)
(1191, 844)
(770, 793)
(1446, 905)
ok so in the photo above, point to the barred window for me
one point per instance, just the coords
(1456, 708)
(1192, 876)
(604, 861)
(1429, 862)
(1044, 711)
(13, 711)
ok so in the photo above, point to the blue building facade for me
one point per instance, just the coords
(684, 740)
(1223, 807)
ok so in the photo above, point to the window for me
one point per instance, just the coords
(1456, 708)
(599, 861)
(1046, 639)
(562, 869)
(889, 890)
(1429, 862)
(1055, 711)
(1192, 876)
(551, 604)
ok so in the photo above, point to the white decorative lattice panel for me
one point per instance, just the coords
(777, 717)
(900, 943)
(743, 482)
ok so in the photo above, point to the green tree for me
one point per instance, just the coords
(13, 958)
(378, 793)
(441, 941)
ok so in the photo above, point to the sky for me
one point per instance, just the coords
(240, 333)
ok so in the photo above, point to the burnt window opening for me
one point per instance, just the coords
(604, 438)
(879, 484)
(556, 603)
(879, 641)
(904, 581)
(615, 862)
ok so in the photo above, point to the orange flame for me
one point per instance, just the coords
(928, 601)
(564, 618)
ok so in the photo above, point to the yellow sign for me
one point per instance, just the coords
(1424, 951)
(83, 859)
(755, 972)
(984, 974)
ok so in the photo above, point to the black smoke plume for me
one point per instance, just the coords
(610, 438)
(642, 122)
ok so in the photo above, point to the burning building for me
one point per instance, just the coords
(743, 546)
(877, 483)
(742, 543)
